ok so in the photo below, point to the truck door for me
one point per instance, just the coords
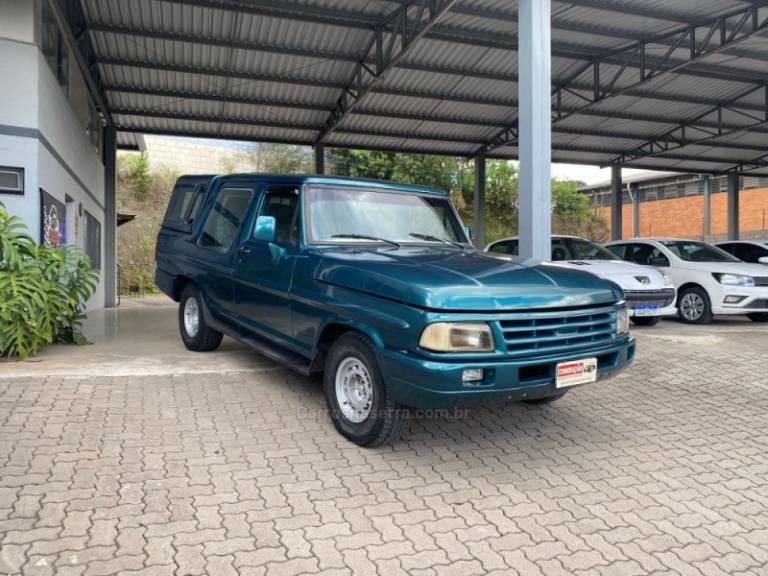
(264, 269)
(217, 241)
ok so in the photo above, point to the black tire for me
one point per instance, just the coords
(385, 418)
(205, 339)
(697, 294)
(758, 316)
(646, 320)
(546, 400)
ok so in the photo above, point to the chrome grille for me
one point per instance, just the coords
(538, 334)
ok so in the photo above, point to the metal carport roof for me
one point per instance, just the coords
(661, 84)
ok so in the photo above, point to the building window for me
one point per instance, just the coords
(55, 48)
(93, 240)
(11, 180)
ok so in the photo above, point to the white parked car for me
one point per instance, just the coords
(709, 281)
(650, 294)
(752, 251)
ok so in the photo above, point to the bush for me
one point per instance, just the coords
(42, 291)
(140, 177)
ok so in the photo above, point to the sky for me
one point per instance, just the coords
(587, 174)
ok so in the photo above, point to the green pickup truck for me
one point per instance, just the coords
(376, 285)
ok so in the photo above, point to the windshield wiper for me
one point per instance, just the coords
(435, 239)
(366, 237)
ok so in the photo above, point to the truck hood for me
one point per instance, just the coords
(451, 279)
(627, 275)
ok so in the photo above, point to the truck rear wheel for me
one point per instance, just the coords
(195, 333)
(358, 402)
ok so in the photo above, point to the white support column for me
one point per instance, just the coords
(535, 128)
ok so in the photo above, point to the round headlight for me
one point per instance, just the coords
(457, 337)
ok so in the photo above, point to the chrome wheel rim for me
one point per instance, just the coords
(354, 390)
(191, 317)
(692, 306)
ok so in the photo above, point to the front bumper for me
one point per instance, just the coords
(752, 300)
(662, 301)
(427, 384)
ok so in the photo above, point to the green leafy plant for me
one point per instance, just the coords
(42, 291)
(140, 176)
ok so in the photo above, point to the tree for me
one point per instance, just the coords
(286, 159)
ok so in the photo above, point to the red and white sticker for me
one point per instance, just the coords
(576, 372)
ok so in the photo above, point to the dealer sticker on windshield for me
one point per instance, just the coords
(576, 372)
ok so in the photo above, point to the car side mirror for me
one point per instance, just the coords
(659, 262)
(265, 229)
(763, 260)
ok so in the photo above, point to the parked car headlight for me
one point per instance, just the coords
(622, 320)
(734, 279)
(457, 337)
(667, 278)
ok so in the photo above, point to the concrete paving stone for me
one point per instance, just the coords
(190, 472)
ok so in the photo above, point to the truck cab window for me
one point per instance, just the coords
(225, 219)
(283, 205)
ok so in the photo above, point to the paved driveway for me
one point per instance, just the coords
(136, 456)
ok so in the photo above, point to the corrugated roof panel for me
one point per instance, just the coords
(477, 104)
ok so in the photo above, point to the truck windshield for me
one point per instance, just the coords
(339, 214)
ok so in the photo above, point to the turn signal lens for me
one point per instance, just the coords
(457, 337)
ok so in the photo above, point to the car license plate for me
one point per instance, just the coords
(647, 311)
(576, 372)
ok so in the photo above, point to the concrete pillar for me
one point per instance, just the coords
(478, 231)
(616, 203)
(534, 128)
(733, 206)
(635, 211)
(707, 207)
(319, 159)
(110, 216)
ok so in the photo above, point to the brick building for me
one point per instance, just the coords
(673, 204)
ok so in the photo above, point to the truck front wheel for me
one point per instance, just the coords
(358, 402)
(195, 333)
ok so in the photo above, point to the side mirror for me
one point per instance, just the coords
(659, 262)
(264, 229)
(763, 260)
(468, 231)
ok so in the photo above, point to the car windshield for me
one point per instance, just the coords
(586, 250)
(340, 214)
(698, 251)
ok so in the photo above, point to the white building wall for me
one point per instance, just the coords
(40, 132)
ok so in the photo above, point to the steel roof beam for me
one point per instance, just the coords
(632, 10)
(692, 132)
(443, 118)
(469, 99)
(748, 165)
(407, 149)
(390, 42)
(219, 42)
(449, 138)
(221, 73)
(716, 36)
